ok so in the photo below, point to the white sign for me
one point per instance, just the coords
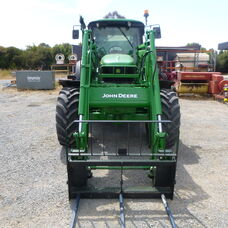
(33, 78)
(120, 95)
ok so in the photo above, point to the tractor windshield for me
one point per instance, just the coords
(121, 40)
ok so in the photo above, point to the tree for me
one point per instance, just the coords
(195, 45)
(38, 57)
(44, 45)
(3, 62)
(9, 57)
(222, 62)
(46, 58)
(113, 14)
(34, 57)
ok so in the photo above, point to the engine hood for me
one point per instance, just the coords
(117, 60)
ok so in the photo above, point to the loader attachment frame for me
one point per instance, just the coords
(163, 180)
(151, 82)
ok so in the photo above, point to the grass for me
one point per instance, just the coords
(6, 74)
(60, 75)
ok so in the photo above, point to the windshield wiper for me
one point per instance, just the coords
(126, 37)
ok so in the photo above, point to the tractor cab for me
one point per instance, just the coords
(117, 36)
(116, 42)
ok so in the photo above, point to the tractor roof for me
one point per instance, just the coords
(110, 22)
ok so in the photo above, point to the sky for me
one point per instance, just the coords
(28, 22)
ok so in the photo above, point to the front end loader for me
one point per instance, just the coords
(119, 88)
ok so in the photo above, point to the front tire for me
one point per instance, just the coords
(66, 113)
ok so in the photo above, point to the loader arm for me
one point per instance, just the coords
(157, 135)
(81, 137)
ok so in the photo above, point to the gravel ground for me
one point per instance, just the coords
(33, 190)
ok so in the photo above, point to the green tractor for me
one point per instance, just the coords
(119, 85)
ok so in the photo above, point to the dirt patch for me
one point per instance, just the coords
(33, 190)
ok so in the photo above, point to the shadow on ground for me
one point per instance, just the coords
(146, 211)
(187, 192)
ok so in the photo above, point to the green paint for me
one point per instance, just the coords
(117, 60)
(119, 86)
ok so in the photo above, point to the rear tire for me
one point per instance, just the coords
(165, 175)
(66, 113)
(170, 111)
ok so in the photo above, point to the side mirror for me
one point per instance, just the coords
(75, 34)
(157, 32)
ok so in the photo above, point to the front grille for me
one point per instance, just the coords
(118, 70)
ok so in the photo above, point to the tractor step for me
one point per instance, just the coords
(76, 202)
(140, 192)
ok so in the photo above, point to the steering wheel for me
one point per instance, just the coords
(101, 51)
(115, 49)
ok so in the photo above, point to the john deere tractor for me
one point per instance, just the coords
(119, 85)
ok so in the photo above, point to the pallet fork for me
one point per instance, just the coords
(160, 160)
(122, 214)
